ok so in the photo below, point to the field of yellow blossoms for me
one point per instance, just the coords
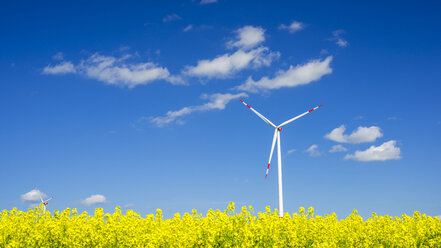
(228, 228)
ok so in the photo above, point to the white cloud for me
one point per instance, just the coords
(386, 151)
(342, 43)
(62, 68)
(361, 135)
(337, 135)
(312, 150)
(338, 39)
(94, 199)
(216, 101)
(294, 76)
(248, 37)
(176, 80)
(58, 56)
(247, 55)
(124, 48)
(337, 33)
(192, 27)
(188, 28)
(338, 148)
(171, 17)
(116, 71)
(226, 65)
(293, 27)
(129, 205)
(33, 196)
(208, 1)
(291, 151)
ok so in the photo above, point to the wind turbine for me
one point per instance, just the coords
(44, 202)
(276, 137)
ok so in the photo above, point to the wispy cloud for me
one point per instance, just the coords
(94, 200)
(293, 27)
(171, 17)
(64, 67)
(324, 51)
(33, 196)
(341, 42)
(188, 28)
(338, 148)
(191, 27)
(294, 76)
(215, 101)
(385, 151)
(313, 151)
(58, 56)
(124, 48)
(291, 151)
(361, 135)
(207, 1)
(129, 205)
(116, 71)
(338, 39)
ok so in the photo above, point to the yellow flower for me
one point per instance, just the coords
(217, 229)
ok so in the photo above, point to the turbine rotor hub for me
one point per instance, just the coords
(279, 128)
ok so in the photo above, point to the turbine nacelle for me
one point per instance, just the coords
(44, 202)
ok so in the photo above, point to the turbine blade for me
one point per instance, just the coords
(49, 199)
(295, 118)
(39, 194)
(271, 153)
(258, 114)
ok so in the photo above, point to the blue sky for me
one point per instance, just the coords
(136, 105)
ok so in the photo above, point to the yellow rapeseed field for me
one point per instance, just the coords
(218, 228)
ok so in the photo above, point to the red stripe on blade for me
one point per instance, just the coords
(311, 110)
(248, 106)
(266, 175)
(320, 105)
(268, 166)
(241, 101)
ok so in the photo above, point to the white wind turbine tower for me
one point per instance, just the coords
(277, 131)
(44, 202)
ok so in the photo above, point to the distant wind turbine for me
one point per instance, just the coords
(277, 131)
(44, 202)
